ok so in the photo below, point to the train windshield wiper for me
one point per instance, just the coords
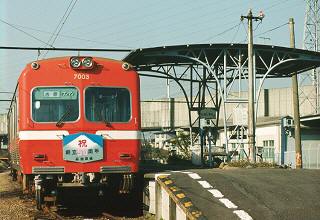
(63, 117)
(103, 118)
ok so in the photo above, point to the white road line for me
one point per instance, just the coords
(242, 215)
(216, 193)
(194, 176)
(175, 171)
(228, 203)
(205, 184)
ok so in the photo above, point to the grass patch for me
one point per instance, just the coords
(247, 164)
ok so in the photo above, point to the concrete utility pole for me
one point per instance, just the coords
(251, 78)
(295, 98)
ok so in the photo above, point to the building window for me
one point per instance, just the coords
(268, 150)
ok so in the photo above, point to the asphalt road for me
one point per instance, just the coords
(254, 193)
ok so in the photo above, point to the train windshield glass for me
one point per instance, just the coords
(107, 104)
(50, 104)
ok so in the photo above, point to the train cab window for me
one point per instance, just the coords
(52, 104)
(107, 104)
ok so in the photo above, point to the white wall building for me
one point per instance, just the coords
(268, 141)
(275, 142)
(161, 140)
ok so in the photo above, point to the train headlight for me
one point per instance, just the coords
(75, 62)
(126, 66)
(87, 62)
(35, 65)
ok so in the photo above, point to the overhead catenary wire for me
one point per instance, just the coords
(26, 33)
(62, 22)
(55, 30)
(68, 36)
(64, 49)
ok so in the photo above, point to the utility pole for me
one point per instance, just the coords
(251, 78)
(295, 98)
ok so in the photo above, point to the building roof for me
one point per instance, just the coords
(311, 120)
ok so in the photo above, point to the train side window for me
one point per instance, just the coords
(107, 104)
(50, 104)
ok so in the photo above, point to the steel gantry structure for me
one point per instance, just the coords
(311, 41)
(211, 75)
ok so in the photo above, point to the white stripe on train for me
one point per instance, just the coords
(58, 134)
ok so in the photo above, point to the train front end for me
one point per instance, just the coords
(79, 125)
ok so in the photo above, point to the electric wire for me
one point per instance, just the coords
(64, 49)
(276, 4)
(69, 36)
(246, 31)
(171, 24)
(26, 33)
(257, 26)
(151, 22)
(121, 14)
(234, 36)
(53, 33)
(66, 18)
(272, 29)
(221, 33)
(63, 19)
(221, 16)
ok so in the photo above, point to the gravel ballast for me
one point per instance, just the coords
(13, 204)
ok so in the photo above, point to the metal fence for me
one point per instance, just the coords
(310, 158)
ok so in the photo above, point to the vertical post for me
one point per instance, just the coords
(210, 149)
(251, 124)
(202, 106)
(295, 98)
(168, 88)
(171, 113)
(251, 86)
(191, 105)
(201, 135)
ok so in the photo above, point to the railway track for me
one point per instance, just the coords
(49, 214)
(78, 208)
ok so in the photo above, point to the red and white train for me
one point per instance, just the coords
(75, 121)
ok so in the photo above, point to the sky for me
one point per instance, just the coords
(128, 24)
